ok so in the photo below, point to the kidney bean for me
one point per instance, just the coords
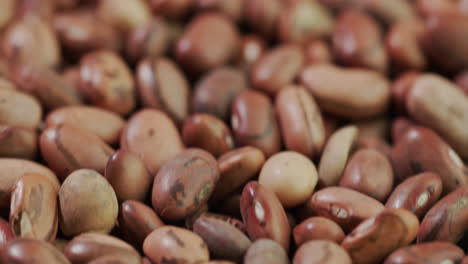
(66, 148)
(224, 241)
(266, 251)
(17, 142)
(448, 117)
(209, 41)
(254, 123)
(262, 16)
(207, 132)
(417, 193)
(277, 68)
(346, 207)
(124, 15)
(33, 209)
(175, 245)
(335, 155)
(400, 89)
(377, 237)
(128, 176)
(321, 252)
(336, 90)
(87, 203)
(369, 172)
(263, 214)
(152, 135)
(25, 250)
(291, 176)
(317, 228)
(6, 235)
(399, 126)
(216, 90)
(317, 51)
(184, 184)
(251, 48)
(231, 8)
(462, 81)
(171, 8)
(162, 85)
(446, 220)
(421, 150)
(375, 143)
(137, 221)
(90, 246)
(427, 253)
(300, 121)
(31, 40)
(19, 109)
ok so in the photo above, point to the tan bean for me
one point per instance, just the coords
(7, 12)
(427, 253)
(124, 15)
(19, 109)
(4, 83)
(376, 127)
(17, 142)
(321, 252)
(266, 251)
(87, 203)
(318, 228)
(25, 250)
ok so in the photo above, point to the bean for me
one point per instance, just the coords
(17, 142)
(6, 235)
(400, 89)
(266, 251)
(170, 8)
(19, 109)
(25, 250)
(317, 51)
(231, 8)
(124, 15)
(321, 252)
(317, 228)
(8, 8)
(252, 47)
(262, 16)
(427, 253)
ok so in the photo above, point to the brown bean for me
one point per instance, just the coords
(184, 184)
(263, 214)
(236, 168)
(106, 81)
(7, 12)
(266, 251)
(35, 8)
(124, 15)
(25, 250)
(277, 68)
(175, 245)
(128, 175)
(87, 203)
(336, 154)
(224, 241)
(447, 219)
(417, 193)
(162, 85)
(439, 104)
(427, 253)
(462, 81)
(251, 48)
(375, 143)
(346, 207)
(209, 41)
(148, 131)
(291, 176)
(170, 8)
(421, 150)
(6, 235)
(66, 148)
(232, 8)
(262, 16)
(317, 51)
(89, 246)
(321, 252)
(300, 121)
(19, 109)
(234, 222)
(216, 90)
(336, 90)
(400, 88)
(207, 132)
(110, 259)
(254, 123)
(17, 142)
(33, 209)
(318, 228)
(399, 126)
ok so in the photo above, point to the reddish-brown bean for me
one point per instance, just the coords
(266, 251)
(400, 88)
(231, 8)
(25, 250)
(17, 142)
(375, 143)
(427, 253)
(399, 126)
(262, 16)
(251, 48)
(318, 228)
(6, 235)
(321, 252)
(170, 8)
(317, 51)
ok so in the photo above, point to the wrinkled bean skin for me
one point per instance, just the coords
(254, 123)
(102, 123)
(252, 47)
(170, 244)
(223, 240)
(427, 253)
(19, 109)
(300, 121)
(89, 246)
(446, 220)
(336, 90)
(266, 251)
(421, 150)
(33, 208)
(207, 132)
(6, 235)
(417, 193)
(264, 215)
(321, 252)
(87, 203)
(17, 142)
(184, 184)
(374, 239)
(162, 85)
(150, 130)
(237, 167)
(346, 207)
(216, 90)
(106, 81)
(25, 250)
(277, 68)
(318, 228)
(66, 148)
(137, 221)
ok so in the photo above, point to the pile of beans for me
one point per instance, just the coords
(234, 131)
